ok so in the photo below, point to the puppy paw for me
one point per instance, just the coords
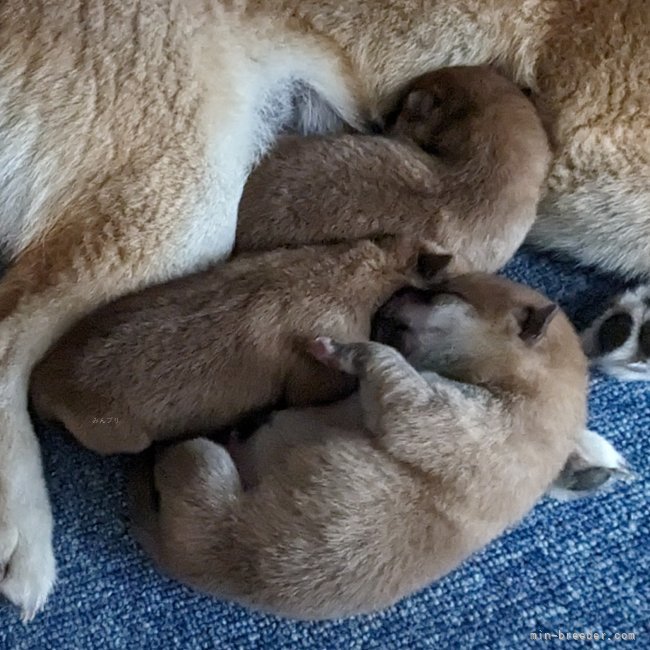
(618, 342)
(593, 465)
(352, 358)
(27, 566)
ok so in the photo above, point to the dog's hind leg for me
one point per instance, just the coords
(195, 483)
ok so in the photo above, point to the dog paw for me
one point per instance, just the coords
(333, 354)
(351, 358)
(27, 566)
(618, 342)
(593, 465)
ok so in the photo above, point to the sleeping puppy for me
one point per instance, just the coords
(198, 353)
(618, 342)
(463, 166)
(349, 507)
(464, 169)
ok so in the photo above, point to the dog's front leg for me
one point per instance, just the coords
(422, 421)
(391, 390)
(131, 234)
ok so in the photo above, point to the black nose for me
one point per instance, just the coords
(388, 329)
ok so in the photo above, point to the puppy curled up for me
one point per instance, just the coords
(198, 353)
(462, 164)
(351, 506)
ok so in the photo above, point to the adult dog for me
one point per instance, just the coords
(127, 130)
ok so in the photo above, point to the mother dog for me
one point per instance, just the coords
(127, 129)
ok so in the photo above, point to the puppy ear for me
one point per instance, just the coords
(593, 465)
(534, 321)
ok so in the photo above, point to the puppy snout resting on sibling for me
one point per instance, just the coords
(351, 506)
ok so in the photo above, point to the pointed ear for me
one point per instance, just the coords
(430, 266)
(533, 321)
(593, 465)
(419, 103)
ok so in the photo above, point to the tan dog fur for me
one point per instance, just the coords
(355, 505)
(464, 168)
(200, 352)
(477, 197)
(127, 131)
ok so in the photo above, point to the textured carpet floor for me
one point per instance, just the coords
(576, 567)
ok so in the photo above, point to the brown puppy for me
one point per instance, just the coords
(465, 169)
(202, 351)
(357, 504)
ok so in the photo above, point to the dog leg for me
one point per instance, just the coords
(90, 258)
(593, 465)
(389, 386)
(196, 482)
(424, 420)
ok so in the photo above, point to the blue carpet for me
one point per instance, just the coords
(583, 566)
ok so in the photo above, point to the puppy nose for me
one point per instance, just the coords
(407, 295)
(388, 330)
(375, 127)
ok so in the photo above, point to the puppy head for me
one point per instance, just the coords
(481, 329)
(442, 109)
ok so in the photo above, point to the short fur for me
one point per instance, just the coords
(200, 352)
(127, 130)
(464, 168)
(355, 505)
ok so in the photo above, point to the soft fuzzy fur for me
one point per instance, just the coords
(127, 131)
(199, 353)
(352, 506)
(153, 365)
(464, 168)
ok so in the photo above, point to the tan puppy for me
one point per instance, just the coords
(127, 131)
(465, 170)
(199, 353)
(355, 505)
